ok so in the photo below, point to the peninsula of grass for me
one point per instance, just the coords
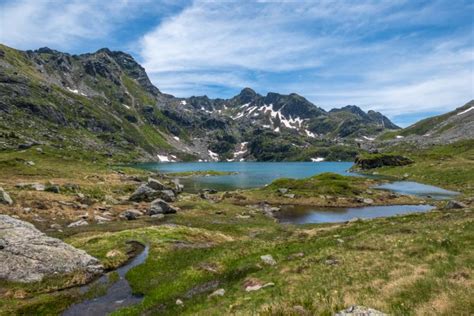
(325, 190)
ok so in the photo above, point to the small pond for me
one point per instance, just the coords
(309, 214)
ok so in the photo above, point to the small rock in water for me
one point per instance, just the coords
(219, 292)
(455, 205)
(354, 220)
(268, 259)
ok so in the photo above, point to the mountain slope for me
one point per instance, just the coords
(104, 103)
(442, 129)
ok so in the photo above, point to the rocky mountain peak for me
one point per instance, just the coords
(247, 95)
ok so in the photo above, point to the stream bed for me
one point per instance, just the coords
(118, 295)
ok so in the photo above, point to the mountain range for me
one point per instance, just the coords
(105, 102)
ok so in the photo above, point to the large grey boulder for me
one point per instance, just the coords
(144, 193)
(167, 195)
(159, 206)
(5, 198)
(155, 184)
(28, 255)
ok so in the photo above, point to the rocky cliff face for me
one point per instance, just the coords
(104, 102)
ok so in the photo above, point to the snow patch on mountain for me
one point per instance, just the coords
(163, 158)
(76, 91)
(213, 155)
(465, 111)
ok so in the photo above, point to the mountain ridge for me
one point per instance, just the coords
(107, 101)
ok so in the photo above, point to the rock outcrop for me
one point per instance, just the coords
(152, 190)
(381, 160)
(159, 206)
(28, 255)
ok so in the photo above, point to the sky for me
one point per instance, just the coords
(408, 59)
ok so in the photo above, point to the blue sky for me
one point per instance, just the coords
(407, 59)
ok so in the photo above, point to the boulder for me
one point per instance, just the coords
(144, 194)
(5, 198)
(81, 222)
(28, 255)
(131, 214)
(219, 292)
(31, 186)
(360, 311)
(159, 206)
(452, 204)
(283, 190)
(268, 259)
(368, 201)
(53, 188)
(178, 188)
(155, 184)
(167, 195)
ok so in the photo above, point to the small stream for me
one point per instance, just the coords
(118, 295)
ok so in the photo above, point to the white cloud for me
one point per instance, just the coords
(333, 52)
(66, 25)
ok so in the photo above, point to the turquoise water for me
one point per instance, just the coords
(249, 174)
(257, 174)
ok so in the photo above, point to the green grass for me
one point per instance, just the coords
(403, 265)
(325, 183)
(449, 166)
